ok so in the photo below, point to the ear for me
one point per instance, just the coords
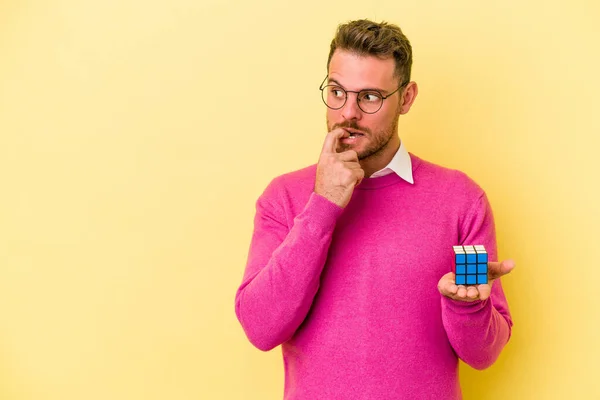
(409, 94)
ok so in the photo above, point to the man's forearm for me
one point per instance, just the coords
(479, 330)
(282, 277)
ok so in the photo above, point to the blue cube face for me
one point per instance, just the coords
(470, 264)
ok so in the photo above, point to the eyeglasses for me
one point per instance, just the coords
(369, 101)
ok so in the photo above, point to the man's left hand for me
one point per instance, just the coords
(448, 288)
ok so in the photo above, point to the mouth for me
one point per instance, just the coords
(353, 138)
(354, 134)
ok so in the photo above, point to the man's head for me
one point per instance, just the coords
(374, 59)
(381, 40)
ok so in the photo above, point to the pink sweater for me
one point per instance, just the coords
(351, 294)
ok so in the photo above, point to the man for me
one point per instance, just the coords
(350, 262)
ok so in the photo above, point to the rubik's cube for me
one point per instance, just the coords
(471, 265)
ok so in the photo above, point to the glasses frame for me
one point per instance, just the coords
(322, 87)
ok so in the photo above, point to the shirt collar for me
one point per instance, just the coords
(400, 164)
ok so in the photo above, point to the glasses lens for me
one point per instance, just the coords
(334, 96)
(369, 101)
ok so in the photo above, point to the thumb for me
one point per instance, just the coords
(498, 269)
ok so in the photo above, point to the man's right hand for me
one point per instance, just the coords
(337, 173)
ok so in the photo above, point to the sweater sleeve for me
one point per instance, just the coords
(284, 266)
(479, 330)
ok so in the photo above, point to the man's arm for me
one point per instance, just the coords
(284, 267)
(477, 319)
(284, 264)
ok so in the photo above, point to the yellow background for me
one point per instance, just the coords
(135, 137)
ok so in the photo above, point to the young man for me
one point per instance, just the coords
(350, 262)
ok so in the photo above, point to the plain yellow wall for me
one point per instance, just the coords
(135, 137)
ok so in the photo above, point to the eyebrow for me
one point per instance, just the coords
(382, 91)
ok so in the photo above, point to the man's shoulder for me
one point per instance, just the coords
(294, 182)
(445, 178)
(297, 177)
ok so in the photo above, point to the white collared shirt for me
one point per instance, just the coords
(400, 164)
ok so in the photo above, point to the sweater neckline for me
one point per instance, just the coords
(379, 182)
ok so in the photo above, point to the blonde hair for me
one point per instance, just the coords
(382, 40)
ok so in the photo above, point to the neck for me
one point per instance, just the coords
(381, 158)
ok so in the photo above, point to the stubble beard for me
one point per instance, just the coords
(378, 141)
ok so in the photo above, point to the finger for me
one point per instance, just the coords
(348, 155)
(484, 291)
(472, 292)
(359, 174)
(330, 144)
(498, 269)
(461, 293)
(450, 289)
(446, 285)
(352, 165)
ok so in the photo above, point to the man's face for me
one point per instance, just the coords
(372, 132)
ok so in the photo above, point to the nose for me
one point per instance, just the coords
(351, 109)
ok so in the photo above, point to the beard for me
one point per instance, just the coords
(377, 141)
